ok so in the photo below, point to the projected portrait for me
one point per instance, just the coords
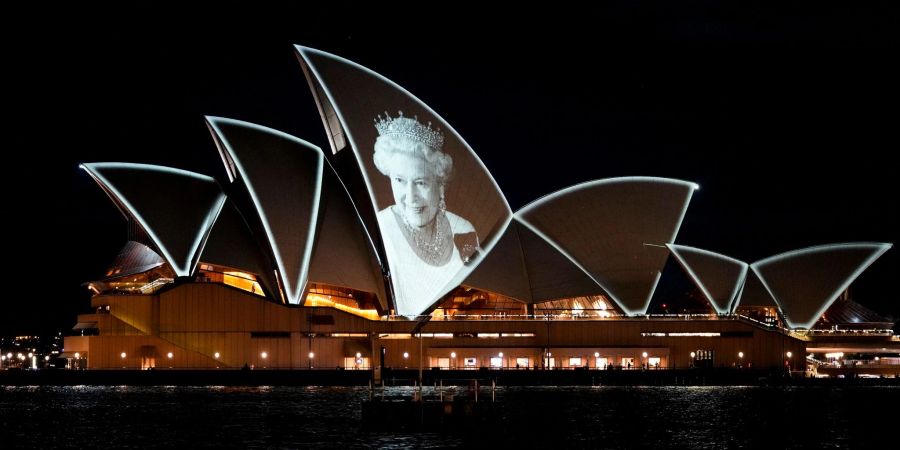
(435, 206)
(428, 242)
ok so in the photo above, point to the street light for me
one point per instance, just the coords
(311, 356)
(693, 358)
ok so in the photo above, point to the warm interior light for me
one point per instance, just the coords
(321, 300)
(243, 281)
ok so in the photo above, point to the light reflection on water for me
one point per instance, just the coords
(327, 417)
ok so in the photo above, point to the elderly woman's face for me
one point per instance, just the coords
(417, 192)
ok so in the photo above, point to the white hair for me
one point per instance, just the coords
(386, 147)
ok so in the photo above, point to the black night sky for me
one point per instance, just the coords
(786, 117)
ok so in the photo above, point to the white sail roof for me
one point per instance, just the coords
(176, 208)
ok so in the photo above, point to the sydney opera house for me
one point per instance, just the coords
(396, 243)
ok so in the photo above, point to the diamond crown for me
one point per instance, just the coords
(409, 128)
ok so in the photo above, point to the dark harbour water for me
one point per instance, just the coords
(605, 417)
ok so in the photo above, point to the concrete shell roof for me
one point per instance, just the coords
(283, 176)
(524, 266)
(343, 253)
(615, 230)
(753, 293)
(132, 259)
(231, 244)
(806, 282)
(847, 312)
(311, 227)
(718, 277)
(349, 97)
(176, 208)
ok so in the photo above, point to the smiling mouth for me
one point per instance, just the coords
(416, 209)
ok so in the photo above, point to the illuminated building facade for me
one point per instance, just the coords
(297, 258)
